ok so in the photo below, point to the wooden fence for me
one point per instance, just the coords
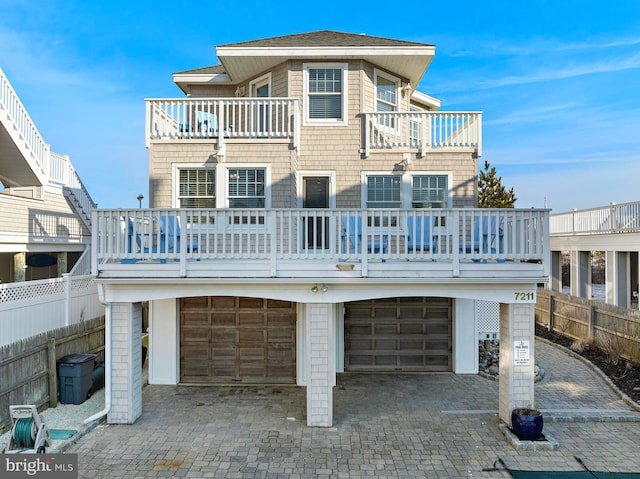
(613, 329)
(28, 372)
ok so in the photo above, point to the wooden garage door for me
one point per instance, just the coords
(398, 334)
(237, 339)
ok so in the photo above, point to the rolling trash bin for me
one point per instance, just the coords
(75, 377)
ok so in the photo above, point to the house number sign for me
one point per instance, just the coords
(521, 353)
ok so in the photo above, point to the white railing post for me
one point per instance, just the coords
(367, 134)
(296, 125)
(66, 284)
(95, 231)
(272, 238)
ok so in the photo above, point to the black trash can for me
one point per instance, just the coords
(75, 377)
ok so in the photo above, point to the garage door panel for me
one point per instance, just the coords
(249, 340)
(406, 334)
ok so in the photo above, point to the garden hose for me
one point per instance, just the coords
(23, 432)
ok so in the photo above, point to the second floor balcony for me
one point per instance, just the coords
(259, 119)
(438, 244)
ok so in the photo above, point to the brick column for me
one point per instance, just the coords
(516, 382)
(320, 363)
(126, 363)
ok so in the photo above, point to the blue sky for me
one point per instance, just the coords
(558, 81)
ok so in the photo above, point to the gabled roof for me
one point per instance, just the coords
(245, 60)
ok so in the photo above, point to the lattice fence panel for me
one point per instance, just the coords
(488, 317)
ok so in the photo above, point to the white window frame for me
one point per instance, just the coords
(406, 189)
(222, 180)
(345, 88)
(379, 73)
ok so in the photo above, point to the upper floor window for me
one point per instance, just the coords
(430, 191)
(384, 191)
(224, 186)
(247, 188)
(197, 188)
(386, 98)
(325, 93)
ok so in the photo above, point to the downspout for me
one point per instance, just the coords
(107, 367)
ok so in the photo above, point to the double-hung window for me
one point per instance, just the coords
(197, 188)
(430, 191)
(387, 89)
(247, 188)
(325, 86)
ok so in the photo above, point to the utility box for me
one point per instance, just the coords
(75, 377)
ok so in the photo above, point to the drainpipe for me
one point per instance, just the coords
(107, 367)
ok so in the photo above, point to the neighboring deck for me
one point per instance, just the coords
(420, 244)
(607, 228)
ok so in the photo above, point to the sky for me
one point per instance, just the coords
(558, 82)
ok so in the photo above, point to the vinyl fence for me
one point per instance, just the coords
(614, 330)
(32, 307)
(28, 373)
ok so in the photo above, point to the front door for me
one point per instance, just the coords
(315, 195)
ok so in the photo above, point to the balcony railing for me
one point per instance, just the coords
(423, 131)
(276, 237)
(623, 218)
(220, 118)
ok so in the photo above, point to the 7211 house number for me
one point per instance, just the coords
(525, 296)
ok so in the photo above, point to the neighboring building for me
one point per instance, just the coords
(45, 222)
(312, 213)
(45, 231)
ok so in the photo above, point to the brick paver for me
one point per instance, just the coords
(385, 425)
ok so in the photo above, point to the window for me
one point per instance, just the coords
(197, 188)
(386, 98)
(326, 93)
(246, 188)
(430, 191)
(384, 191)
(415, 128)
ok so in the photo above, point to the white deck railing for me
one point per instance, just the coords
(423, 130)
(623, 218)
(277, 235)
(220, 118)
(57, 168)
(17, 114)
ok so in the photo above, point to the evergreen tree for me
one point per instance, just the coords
(491, 192)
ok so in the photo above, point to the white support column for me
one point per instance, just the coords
(163, 342)
(126, 363)
(618, 290)
(581, 274)
(516, 380)
(465, 331)
(320, 363)
(556, 271)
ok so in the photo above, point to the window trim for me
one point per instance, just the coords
(344, 121)
(222, 180)
(258, 82)
(406, 186)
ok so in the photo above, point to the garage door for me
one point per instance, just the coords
(398, 334)
(237, 339)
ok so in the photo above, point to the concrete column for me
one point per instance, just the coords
(556, 271)
(516, 380)
(19, 267)
(62, 263)
(581, 274)
(320, 363)
(164, 342)
(465, 332)
(126, 363)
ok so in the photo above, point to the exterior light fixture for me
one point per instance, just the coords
(314, 289)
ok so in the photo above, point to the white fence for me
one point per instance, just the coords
(33, 307)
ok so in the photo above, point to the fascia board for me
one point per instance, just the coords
(201, 78)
